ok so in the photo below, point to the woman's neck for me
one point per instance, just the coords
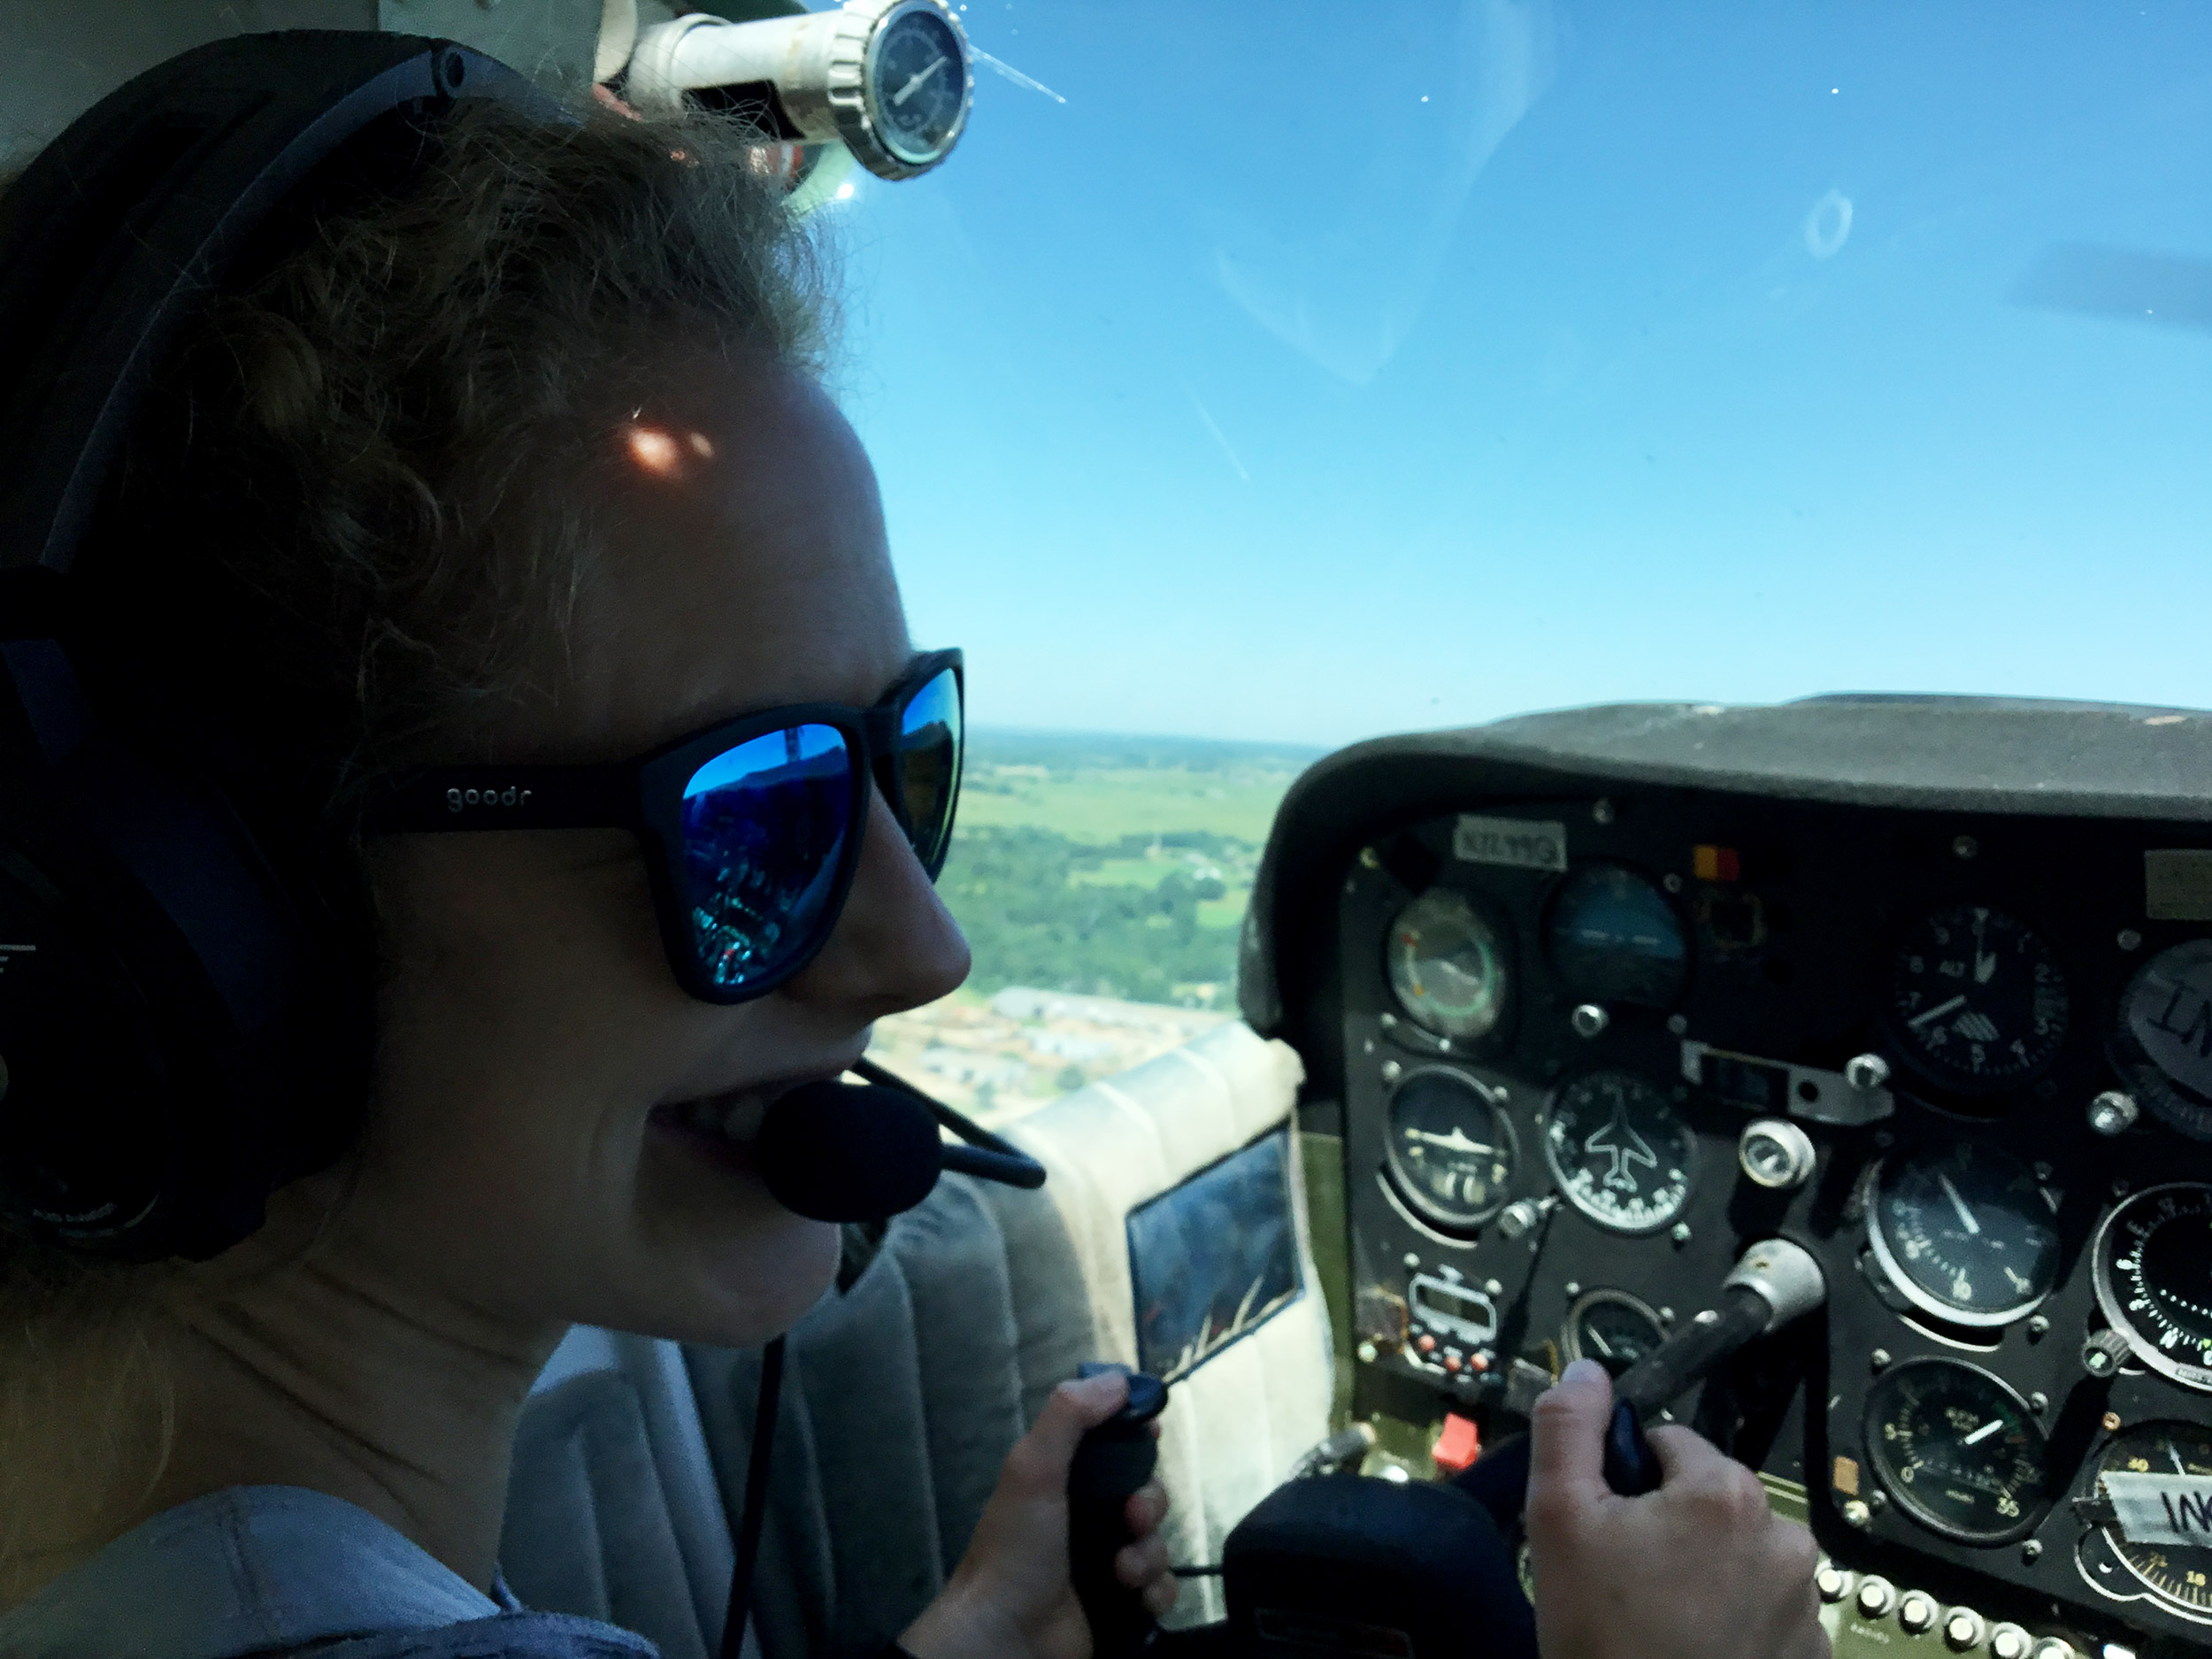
(311, 1369)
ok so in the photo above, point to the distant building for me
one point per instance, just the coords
(1020, 1002)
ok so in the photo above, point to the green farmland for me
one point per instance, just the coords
(1117, 866)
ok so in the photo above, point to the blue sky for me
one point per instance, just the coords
(1299, 380)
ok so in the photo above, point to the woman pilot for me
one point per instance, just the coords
(528, 459)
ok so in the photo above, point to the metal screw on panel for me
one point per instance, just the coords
(2111, 1422)
(1680, 1232)
(1666, 1316)
(2039, 1327)
(2032, 1552)
(1589, 1019)
(2112, 1112)
(1602, 810)
(1443, 1045)
(1491, 1287)
(2120, 1188)
(1672, 882)
(1878, 1501)
(1878, 1358)
(1388, 1022)
(1366, 1353)
(2129, 939)
(2042, 1170)
(1866, 1071)
(1392, 1070)
(1572, 1289)
(1856, 1513)
(1678, 1022)
(1412, 1261)
(2038, 1402)
(1369, 1046)
(1371, 858)
(1964, 847)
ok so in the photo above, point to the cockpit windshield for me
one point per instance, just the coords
(1304, 375)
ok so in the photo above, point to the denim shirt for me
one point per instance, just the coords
(283, 1571)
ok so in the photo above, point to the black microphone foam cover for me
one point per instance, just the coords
(848, 1151)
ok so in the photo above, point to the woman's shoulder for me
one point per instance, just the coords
(285, 1570)
(503, 1636)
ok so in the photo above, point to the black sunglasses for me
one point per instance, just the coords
(751, 828)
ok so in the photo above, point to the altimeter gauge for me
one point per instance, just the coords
(2162, 1045)
(2152, 1263)
(1450, 1147)
(2149, 1494)
(1959, 1450)
(1448, 966)
(1965, 1232)
(1978, 1001)
(1620, 1152)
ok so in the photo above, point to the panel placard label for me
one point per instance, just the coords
(1522, 843)
(2174, 1511)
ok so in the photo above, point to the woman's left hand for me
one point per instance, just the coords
(1011, 1597)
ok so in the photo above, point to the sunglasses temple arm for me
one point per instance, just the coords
(985, 1154)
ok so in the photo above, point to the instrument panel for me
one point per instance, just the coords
(1595, 1046)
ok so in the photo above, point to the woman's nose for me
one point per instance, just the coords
(895, 946)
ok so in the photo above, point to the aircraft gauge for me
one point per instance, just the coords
(1966, 1232)
(1611, 1327)
(2152, 1263)
(2164, 1543)
(2162, 1045)
(1448, 966)
(1959, 1450)
(1450, 1147)
(1620, 1152)
(1614, 937)
(1977, 1001)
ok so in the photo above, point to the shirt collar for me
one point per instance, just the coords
(240, 1570)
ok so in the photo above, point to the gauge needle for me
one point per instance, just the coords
(2176, 1455)
(1985, 960)
(915, 85)
(1457, 1141)
(1937, 1012)
(1984, 1433)
(1597, 1342)
(1966, 1215)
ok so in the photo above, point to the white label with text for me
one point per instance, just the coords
(1524, 843)
(2171, 1510)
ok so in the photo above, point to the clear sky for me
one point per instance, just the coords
(1305, 372)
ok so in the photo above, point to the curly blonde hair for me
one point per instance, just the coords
(354, 511)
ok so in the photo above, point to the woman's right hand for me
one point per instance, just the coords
(1700, 1569)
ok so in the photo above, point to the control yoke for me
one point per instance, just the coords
(1344, 1561)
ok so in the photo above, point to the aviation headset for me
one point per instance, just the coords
(184, 1019)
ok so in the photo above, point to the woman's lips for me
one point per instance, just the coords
(724, 1126)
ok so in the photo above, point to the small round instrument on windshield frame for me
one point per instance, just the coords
(1978, 1002)
(1448, 966)
(2163, 1044)
(1964, 1232)
(1620, 1152)
(1450, 1147)
(1959, 1450)
(2152, 1267)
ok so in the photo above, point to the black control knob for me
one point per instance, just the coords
(1113, 1463)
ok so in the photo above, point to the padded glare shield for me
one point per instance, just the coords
(169, 1049)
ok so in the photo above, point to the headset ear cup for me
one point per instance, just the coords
(177, 1045)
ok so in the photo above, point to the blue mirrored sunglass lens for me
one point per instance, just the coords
(764, 827)
(929, 764)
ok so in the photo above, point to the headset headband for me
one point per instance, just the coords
(128, 220)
